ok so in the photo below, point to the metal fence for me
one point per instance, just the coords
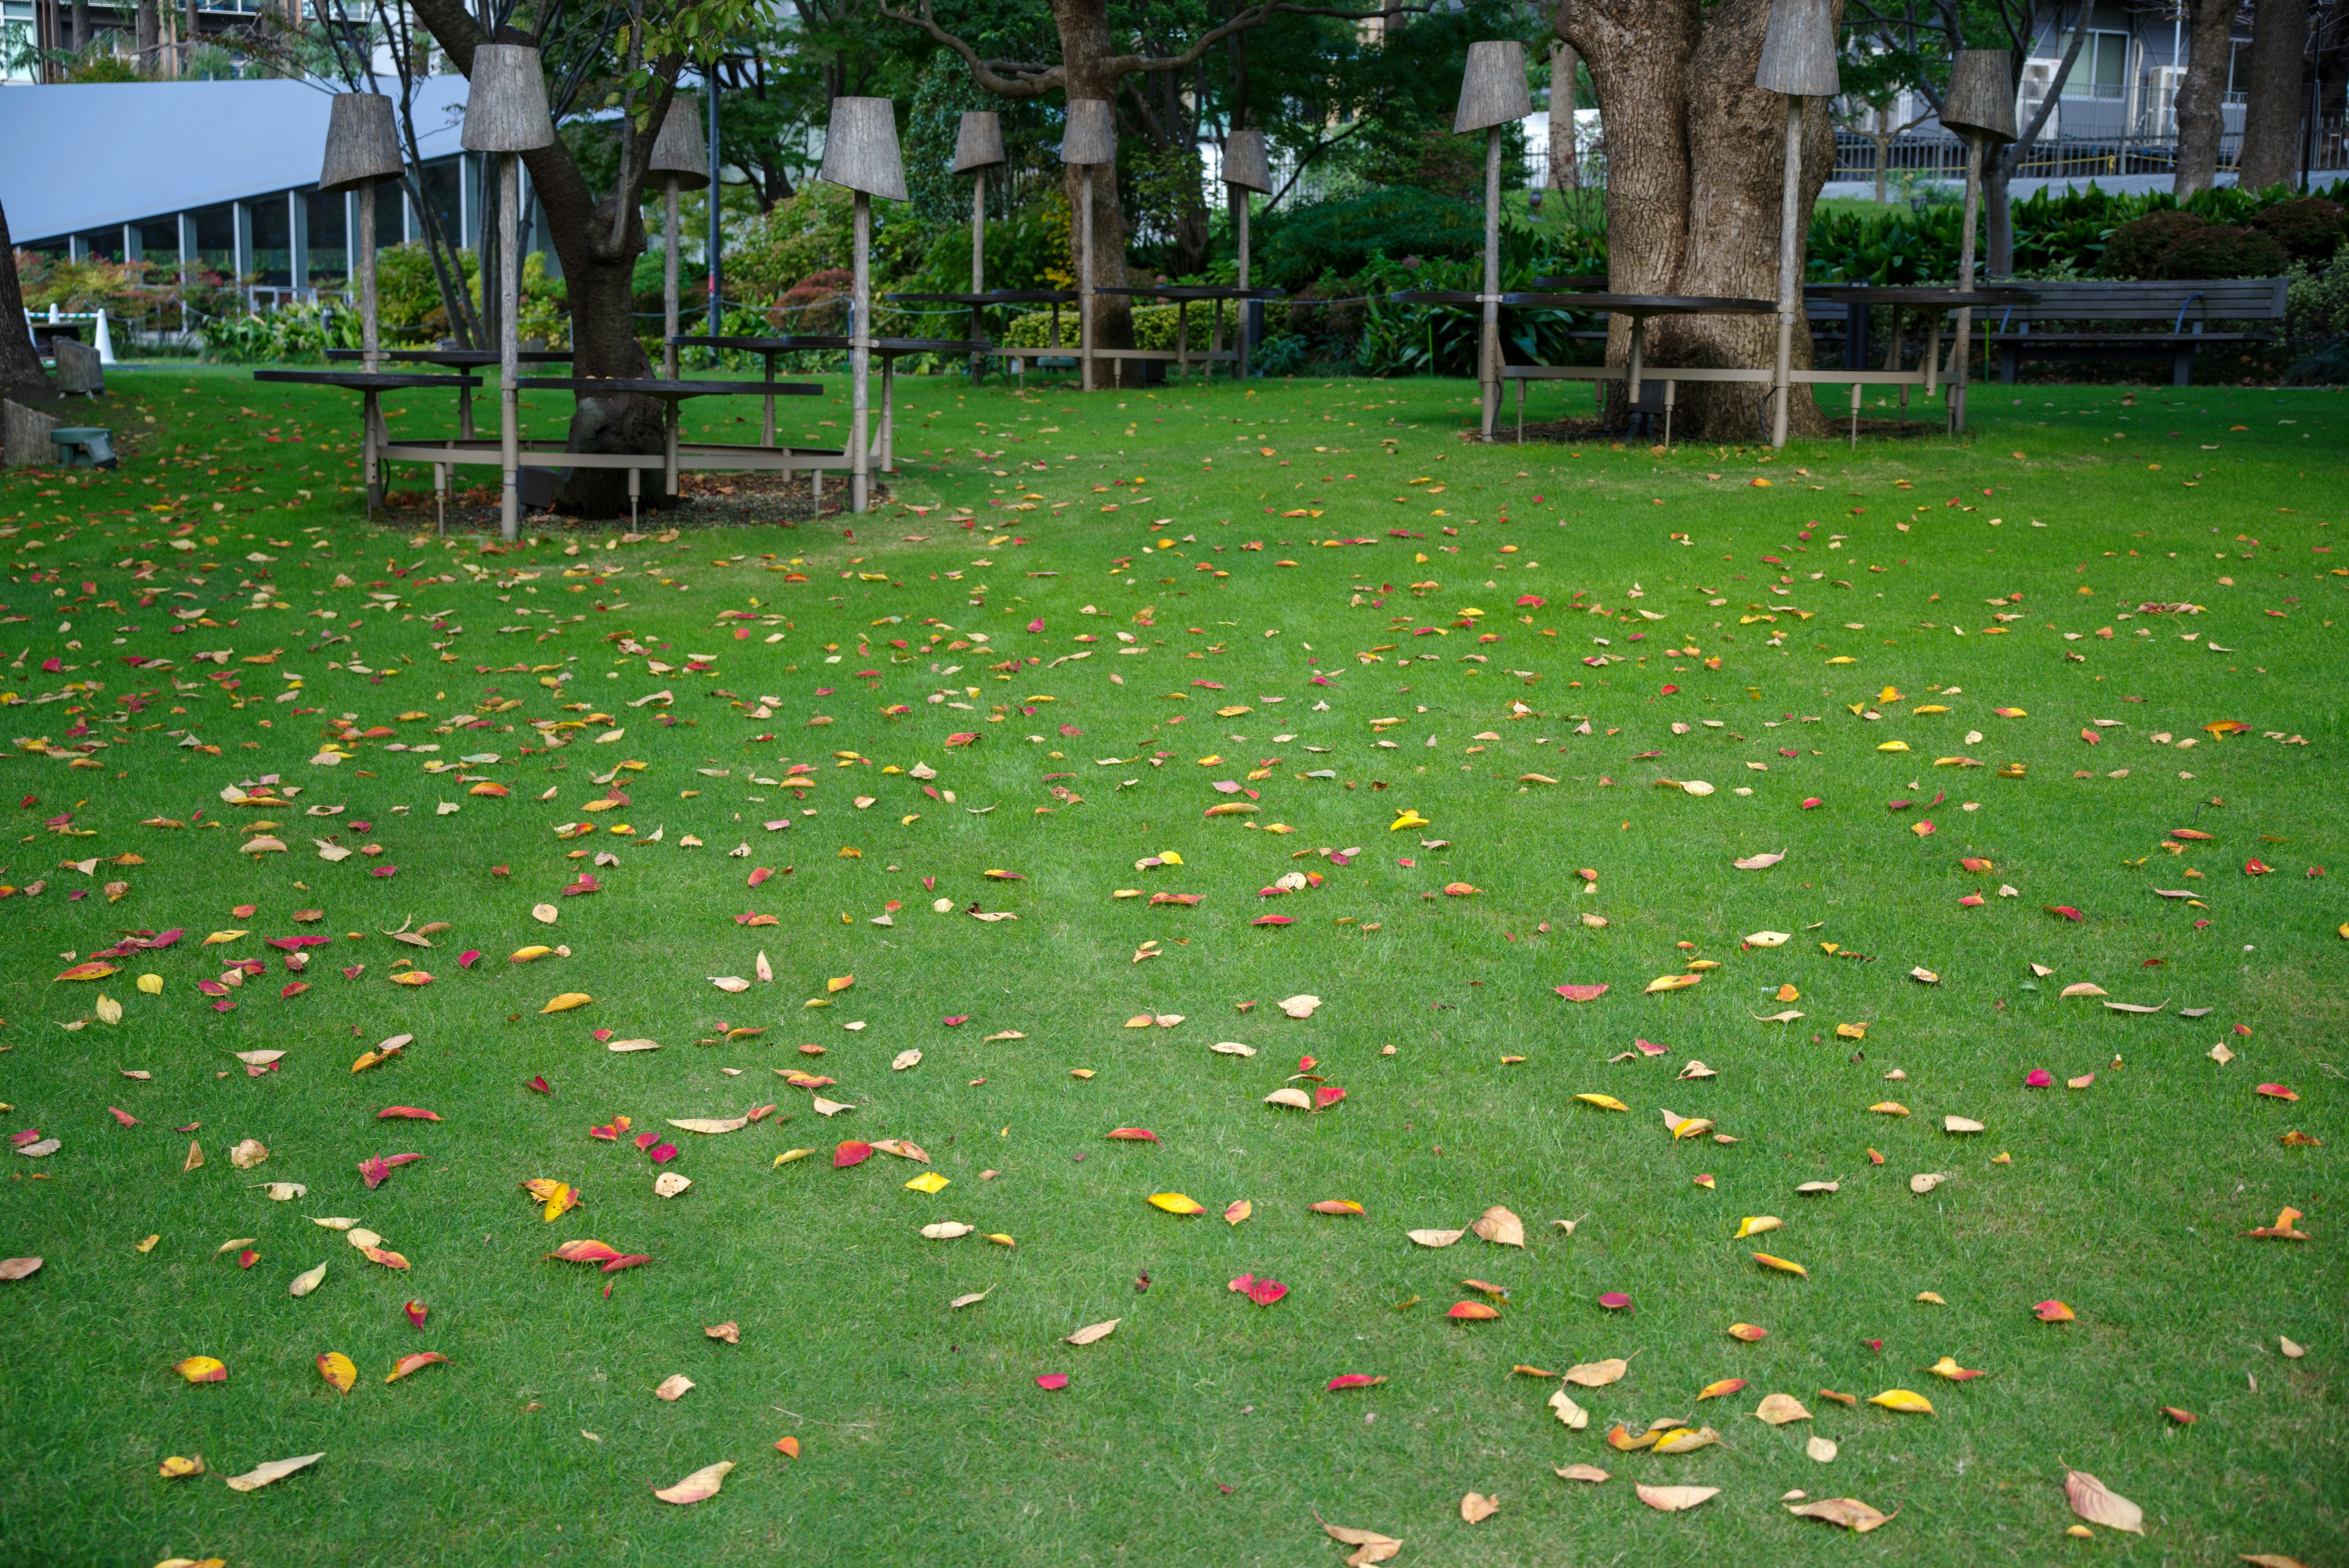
(2063, 158)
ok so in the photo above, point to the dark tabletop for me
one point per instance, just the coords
(1646, 304)
(455, 356)
(1946, 297)
(1189, 291)
(650, 386)
(993, 297)
(366, 382)
(834, 340)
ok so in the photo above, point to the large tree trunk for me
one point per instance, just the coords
(2271, 108)
(20, 365)
(1998, 215)
(80, 25)
(1086, 47)
(151, 37)
(2199, 119)
(598, 254)
(1695, 167)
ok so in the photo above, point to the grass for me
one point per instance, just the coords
(1200, 1431)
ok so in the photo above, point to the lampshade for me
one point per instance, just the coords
(1798, 53)
(1493, 90)
(1244, 163)
(979, 144)
(1090, 135)
(505, 102)
(1981, 98)
(860, 148)
(362, 143)
(679, 151)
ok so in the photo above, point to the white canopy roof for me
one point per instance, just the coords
(83, 156)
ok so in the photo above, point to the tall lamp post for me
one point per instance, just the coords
(680, 162)
(978, 147)
(1980, 107)
(363, 147)
(860, 152)
(1798, 59)
(1088, 141)
(505, 112)
(1245, 168)
(1493, 93)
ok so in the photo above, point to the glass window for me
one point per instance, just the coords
(17, 38)
(330, 258)
(216, 239)
(273, 240)
(2102, 66)
(158, 241)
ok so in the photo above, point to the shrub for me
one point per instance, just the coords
(2137, 248)
(2310, 228)
(2223, 250)
(1341, 237)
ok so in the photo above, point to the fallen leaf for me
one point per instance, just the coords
(1779, 1409)
(1847, 1511)
(1673, 1499)
(1500, 1227)
(1903, 1400)
(275, 1470)
(1091, 1332)
(413, 1363)
(1476, 1507)
(698, 1487)
(2099, 1504)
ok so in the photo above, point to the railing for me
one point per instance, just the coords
(2064, 158)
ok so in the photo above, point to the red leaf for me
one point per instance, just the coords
(851, 1152)
(1615, 1301)
(1264, 1293)
(2065, 910)
(1131, 1135)
(1353, 1380)
(293, 988)
(406, 1113)
(1049, 1381)
(541, 1085)
(377, 1170)
(125, 1117)
(416, 1310)
(1582, 993)
(1328, 1094)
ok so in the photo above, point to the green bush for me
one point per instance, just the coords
(2224, 250)
(1154, 328)
(2310, 228)
(1341, 237)
(2137, 248)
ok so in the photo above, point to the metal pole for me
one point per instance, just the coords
(1240, 307)
(370, 338)
(977, 262)
(1488, 348)
(716, 227)
(1956, 411)
(1085, 282)
(1789, 282)
(508, 350)
(860, 357)
(669, 286)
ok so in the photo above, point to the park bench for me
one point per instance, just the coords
(2081, 321)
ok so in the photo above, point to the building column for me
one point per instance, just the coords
(241, 257)
(297, 245)
(132, 248)
(76, 247)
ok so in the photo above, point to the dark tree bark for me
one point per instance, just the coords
(2199, 121)
(80, 25)
(598, 241)
(1695, 165)
(20, 365)
(1565, 161)
(1999, 164)
(151, 37)
(2277, 95)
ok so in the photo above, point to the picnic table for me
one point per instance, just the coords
(1183, 296)
(375, 436)
(455, 359)
(1933, 301)
(979, 300)
(889, 350)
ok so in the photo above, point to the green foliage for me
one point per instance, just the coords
(290, 334)
(1022, 252)
(2224, 250)
(2311, 228)
(815, 230)
(1342, 236)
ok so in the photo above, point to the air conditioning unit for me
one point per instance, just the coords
(2038, 76)
(2159, 116)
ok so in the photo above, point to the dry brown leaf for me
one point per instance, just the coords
(1780, 1408)
(1590, 1473)
(1476, 1508)
(1848, 1511)
(1822, 1449)
(732, 1332)
(2099, 1504)
(275, 1470)
(1597, 1374)
(673, 1387)
(1572, 1413)
(1500, 1227)
(1091, 1332)
(973, 1299)
(711, 1125)
(1368, 1545)
(1435, 1238)
(18, 1268)
(1673, 1499)
(701, 1485)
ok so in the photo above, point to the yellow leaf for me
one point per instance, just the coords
(1604, 1102)
(1176, 1203)
(833, 987)
(336, 1368)
(202, 1369)
(1903, 1400)
(929, 1182)
(566, 1001)
(1851, 1031)
(1672, 982)
(219, 937)
(1782, 1265)
(1754, 1224)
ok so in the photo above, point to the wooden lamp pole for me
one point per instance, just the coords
(1089, 140)
(505, 112)
(1980, 107)
(1493, 93)
(978, 147)
(860, 154)
(1798, 59)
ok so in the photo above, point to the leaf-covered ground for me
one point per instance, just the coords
(1451, 687)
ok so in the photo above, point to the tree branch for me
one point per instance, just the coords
(984, 71)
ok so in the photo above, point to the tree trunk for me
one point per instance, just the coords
(2199, 119)
(2271, 108)
(1695, 166)
(20, 365)
(1565, 166)
(80, 25)
(151, 37)
(1086, 47)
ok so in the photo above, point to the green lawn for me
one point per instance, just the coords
(1582, 625)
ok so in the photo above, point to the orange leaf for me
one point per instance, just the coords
(413, 1363)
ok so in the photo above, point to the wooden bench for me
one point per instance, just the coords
(2069, 321)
